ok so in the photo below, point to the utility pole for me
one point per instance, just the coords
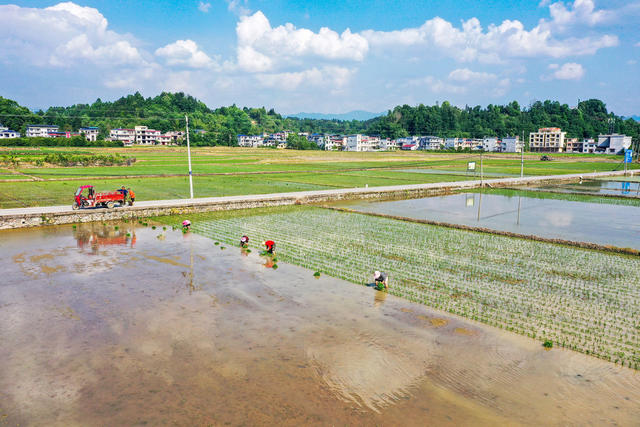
(189, 157)
(522, 156)
(481, 172)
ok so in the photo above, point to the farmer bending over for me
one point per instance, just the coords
(186, 225)
(244, 242)
(270, 246)
(381, 280)
(132, 196)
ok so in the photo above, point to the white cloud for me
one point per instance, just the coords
(204, 7)
(260, 46)
(580, 12)
(185, 53)
(62, 35)
(471, 42)
(568, 71)
(239, 7)
(332, 77)
(632, 62)
(466, 75)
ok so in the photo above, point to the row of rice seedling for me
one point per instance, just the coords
(580, 299)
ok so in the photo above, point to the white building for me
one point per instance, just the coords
(547, 140)
(335, 142)
(319, 139)
(281, 136)
(164, 139)
(453, 143)
(390, 144)
(408, 140)
(409, 147)
(250, 140)
(5, 132)
(490, 143)
(511, 144)
(431, 143)
(40, 130)
(146, 136)
(359, 142)
(91, 133)
(177, 136)
(613, 144)
(126, 136)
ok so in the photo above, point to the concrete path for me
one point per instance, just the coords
(288, 198)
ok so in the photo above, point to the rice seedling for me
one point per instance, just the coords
(581, 299)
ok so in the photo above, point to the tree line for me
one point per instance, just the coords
(166, 112)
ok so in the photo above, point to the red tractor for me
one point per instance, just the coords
(86, 197)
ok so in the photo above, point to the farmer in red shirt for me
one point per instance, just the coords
(270, 246)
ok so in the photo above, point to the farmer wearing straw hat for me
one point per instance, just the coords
(381, 280)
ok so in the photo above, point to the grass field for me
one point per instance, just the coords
(514, 284)
(161, 172)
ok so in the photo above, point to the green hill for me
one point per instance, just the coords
(167, 110)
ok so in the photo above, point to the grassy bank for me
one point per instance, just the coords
(588, 302)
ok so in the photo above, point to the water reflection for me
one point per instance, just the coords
(627, 188)
(93, 236)
(600, 223)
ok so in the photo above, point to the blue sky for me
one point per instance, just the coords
(331, 56)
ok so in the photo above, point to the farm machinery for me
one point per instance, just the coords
(86, 197)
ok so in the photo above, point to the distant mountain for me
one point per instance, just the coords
(351, 115)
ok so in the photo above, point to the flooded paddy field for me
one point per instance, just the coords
(605, 221)
(624, 186)
(589, 301)
(106, 326)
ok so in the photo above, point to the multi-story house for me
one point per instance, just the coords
(41, 130)
(126, 136)
(490, 143)
(318, 139)
(359, 142)
(91, 133)
(250, 140)
(511, 144)
(5, 132)
(430, 142)
(390, 144)
(164, 139)
(146, 136)
(453, 143)
(613, 144)
(335, 142)
(547, 140)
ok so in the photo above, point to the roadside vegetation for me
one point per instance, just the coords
(16, 159)
(588, 302)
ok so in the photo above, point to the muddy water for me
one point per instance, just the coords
(103, 328)
(601, 223)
